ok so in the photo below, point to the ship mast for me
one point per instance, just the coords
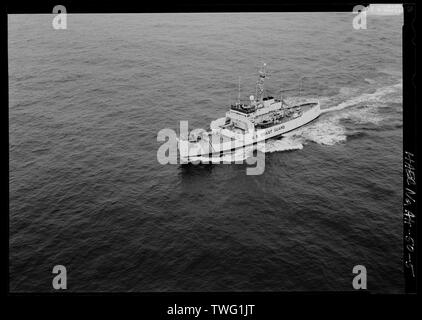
(238, 95)
(260, 83)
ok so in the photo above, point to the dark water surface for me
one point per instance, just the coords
(87, 191)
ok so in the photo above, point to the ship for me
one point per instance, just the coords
(247, 124)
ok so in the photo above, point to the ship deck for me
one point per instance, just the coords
(305, 107)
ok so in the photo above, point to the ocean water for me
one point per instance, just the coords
(87, 191)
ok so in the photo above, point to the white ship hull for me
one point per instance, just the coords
(220, 145)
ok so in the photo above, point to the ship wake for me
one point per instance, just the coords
(330, 129)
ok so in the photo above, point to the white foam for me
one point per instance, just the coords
(283, 144)
(347, 91)
(324, 131)
(367, 114)
(365, 98)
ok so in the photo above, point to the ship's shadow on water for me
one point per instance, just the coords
(202, 170)
(190, 169)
